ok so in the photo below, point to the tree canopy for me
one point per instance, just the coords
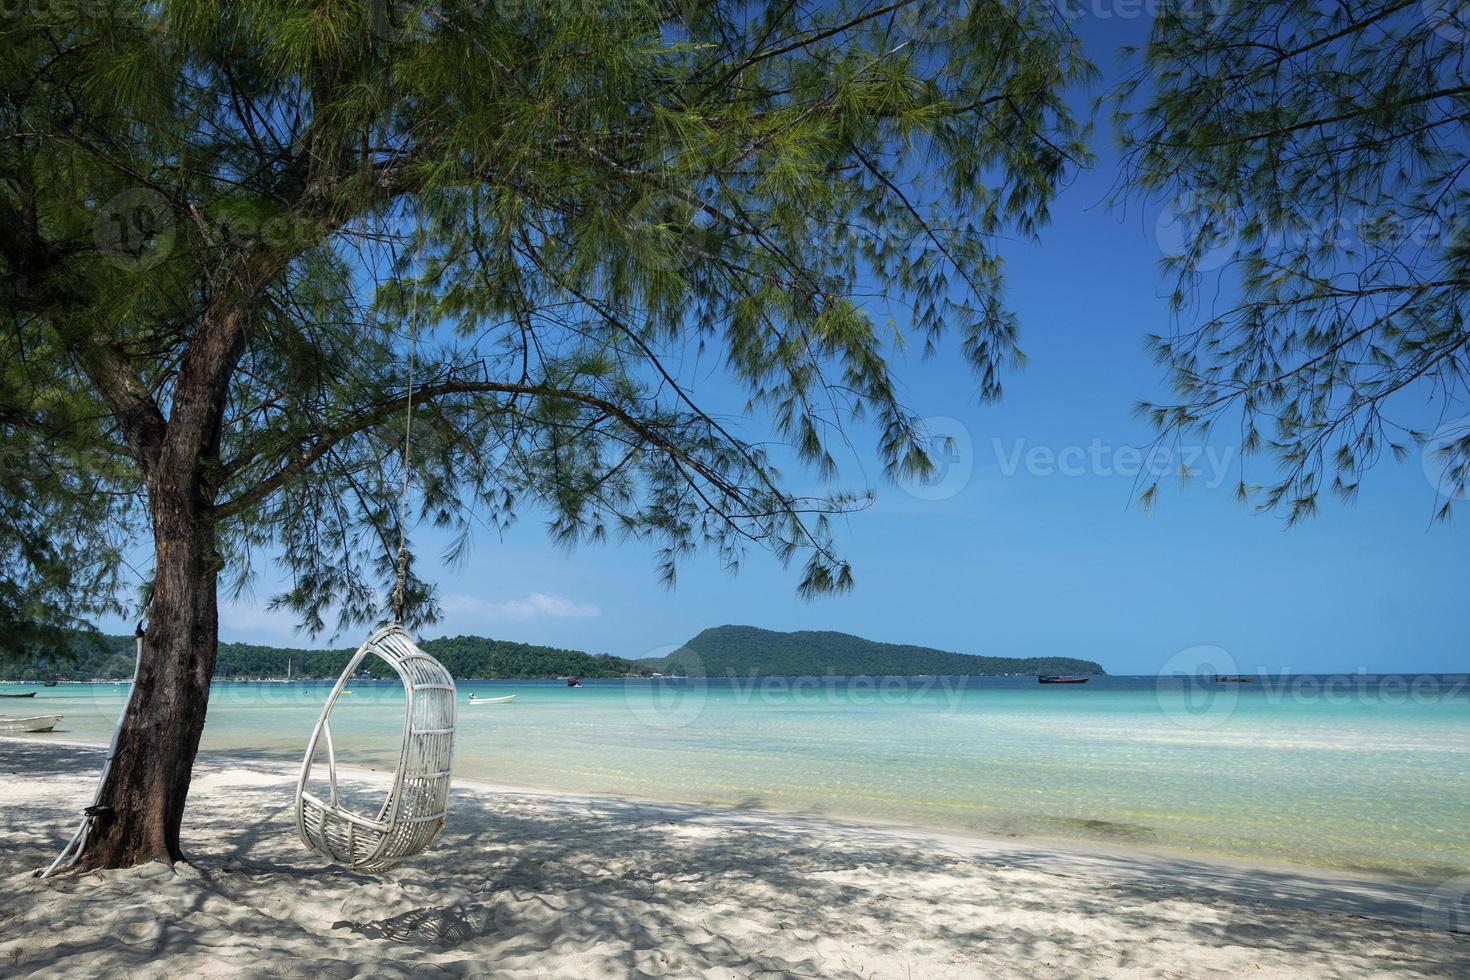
(259, 202)
(282, 280)
(1319, 153)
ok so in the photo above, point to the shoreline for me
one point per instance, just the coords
(1460, 678)
(1401, 896)
(543, 883)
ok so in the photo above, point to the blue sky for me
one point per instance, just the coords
(1021, 556)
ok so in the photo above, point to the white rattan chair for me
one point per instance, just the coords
(413, 812)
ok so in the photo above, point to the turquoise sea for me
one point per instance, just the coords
(1356, 771)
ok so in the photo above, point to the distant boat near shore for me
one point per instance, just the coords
(1233, 679)
(748, 651)
(1059, 679)
(479, 700)
(38, 723)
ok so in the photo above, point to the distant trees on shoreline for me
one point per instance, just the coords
(723, 651)
(111, 657)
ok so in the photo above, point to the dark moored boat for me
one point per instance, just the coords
(1230, 679)
(1055, 679)
(574, 682)
(28, 694)
(48, 683)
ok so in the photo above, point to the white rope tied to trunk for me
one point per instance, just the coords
(72, 852)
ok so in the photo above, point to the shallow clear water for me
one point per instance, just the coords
(1363, 774)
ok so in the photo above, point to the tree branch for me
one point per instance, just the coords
(381, 412)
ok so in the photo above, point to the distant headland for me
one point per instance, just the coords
(722, 651)
(748, 651)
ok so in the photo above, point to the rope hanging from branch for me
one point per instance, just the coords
(412, 811)
(402, 577)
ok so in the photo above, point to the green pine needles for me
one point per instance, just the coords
(221, 220)
(1318, 154)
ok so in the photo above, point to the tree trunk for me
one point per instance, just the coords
(149, 780)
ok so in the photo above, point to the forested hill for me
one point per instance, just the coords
(745, 651)
(725, 651)
(477, 656)
(465, 656)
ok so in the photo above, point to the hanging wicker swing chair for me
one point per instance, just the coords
(413, 813)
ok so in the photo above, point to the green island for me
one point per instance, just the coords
(748, 651)
(723, 651)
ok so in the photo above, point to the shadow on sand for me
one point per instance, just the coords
(539, 884)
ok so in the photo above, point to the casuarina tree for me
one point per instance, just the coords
(222, 224)
(1312, 160)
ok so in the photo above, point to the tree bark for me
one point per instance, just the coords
(149, 780)
(142, 801)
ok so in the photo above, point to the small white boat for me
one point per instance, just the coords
(40, 723)
(505, 700)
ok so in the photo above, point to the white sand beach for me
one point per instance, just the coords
(533, 884)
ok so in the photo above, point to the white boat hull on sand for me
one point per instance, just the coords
(505, 700)
(40, 723)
